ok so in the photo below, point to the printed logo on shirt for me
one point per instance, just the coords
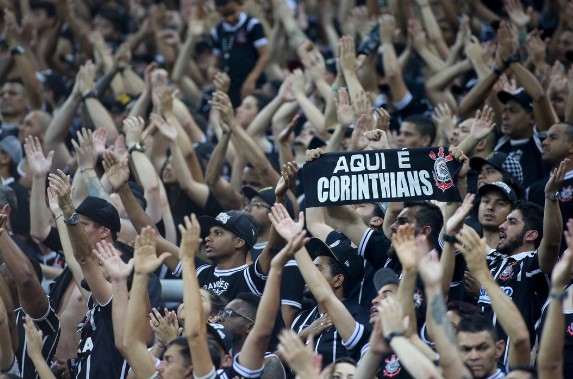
(392, 367)
(507, 272)
(217, 287)
(484, 298)
(570, 329)
(242, 36)
(566, 194)
(418, 298)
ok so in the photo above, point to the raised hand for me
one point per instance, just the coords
(474, 50)
(431, 272)
(165, 95)
(377, 139)
(382, 119)
(516, 13)
(392, 316)
(483, 123)
(363, 106)
(444, 119)
(459, 156)
(117, 172)
(555, 181)
(146, 259)
(284, 224)
(33, 339)
(344, 111)
(313, 154)
(222, 81)
(285, 134)
(53, 202)
(536, 48)
(85, 151)
(222, 103)
(319, 325)
(296, 355)
(387, 27)
(404, 243)
(87, 78)
(288, 177)
(99, 139)
(166, 128)
(123, 55)
(60, 184)
(357, 140)
(166, 328)
(505, 41)
(298, 81)
(148, 75)
(347, 57)
(110, 258)
(132, 127)
(119, 148)
(39, 164)
(456, 221)
(474, 250)
(190, 238)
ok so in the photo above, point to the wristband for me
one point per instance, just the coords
(392, 335)
(137, 147)
(497, 71)
(89, 95)
(449, 238)
(552, 197)
(511, 59)
(86, 169)
(58, 216)
(560, 296)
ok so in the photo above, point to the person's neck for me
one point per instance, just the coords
(236, 260)
(522, 249)
(491, 237)
(5, 172)
(13, 118)
(524, 135)
(263, 235)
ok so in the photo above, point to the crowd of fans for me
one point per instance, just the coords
(164, 142)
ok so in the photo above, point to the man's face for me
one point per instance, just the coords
(322, 263)
(516, 121)
(489, 174)
(366, 213)
(493, 209)
(251, 178)
(409, 136)
(461, 131)
(511, 233)
(564, 44)
(237, 320)
(30, 126)
(389, 290)
(406, 216)
(247, 111)
(173, 365)
(13, 100)
(230, 12)
(220, 243)
(93, 231)
(259, 209)
(480, 353)
(556, 146)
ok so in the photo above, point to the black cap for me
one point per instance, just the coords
(340, 249)
(221, 335)
(268, 195)
(507, 191)
(347, 133)
(520, 96)
(101, 212)
(240, 223)
(502, 162)
(385, 276)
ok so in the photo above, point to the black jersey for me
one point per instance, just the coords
(521, 278)
(536, 194)
(528, 153)
(237, 46)
(49, 324)
(228, 283)
(237, 371)
(97, 355)
(329, 343)
(390, 367)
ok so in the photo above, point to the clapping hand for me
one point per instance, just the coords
(39, 164)
(117, 172)
(109, 257)
(190, 238)
(146, 259)
(284, 224)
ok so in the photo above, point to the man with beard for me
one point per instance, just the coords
(495, 203)
(524, 255)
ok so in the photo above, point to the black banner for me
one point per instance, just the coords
(381, 175)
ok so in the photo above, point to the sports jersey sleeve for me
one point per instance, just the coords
(357, 340)
(241, 371)
(211, 375)
(254, 279)
(257, 33)
(292, 285)
(374, 247)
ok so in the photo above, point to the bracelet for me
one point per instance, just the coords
(497, 71)
(511, 59)
(560, 296)
(89, 95)
(393, 335)
(58, 216)
(552, 197)
(86, 169)
(449, 238)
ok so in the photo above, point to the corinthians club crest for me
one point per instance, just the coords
(441, 173)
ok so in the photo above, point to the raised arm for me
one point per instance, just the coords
(340, 316)
(508, 315)
(34, 349)
(195, 323)
(86, 157)
(7, 358)
(136, 326)
(548, 252)
(81, 245)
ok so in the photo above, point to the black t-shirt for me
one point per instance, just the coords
(97, 355)
(228, 283)
(536, 194)
(390, 367)
(521, 278)
(528, 154)
(237, 46)
(49, 324)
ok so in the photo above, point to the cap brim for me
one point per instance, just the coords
(207, 222)
(505, 96)
(487, 187)
(250, 192)
(317, 247)
(347, 133)
(477, 163)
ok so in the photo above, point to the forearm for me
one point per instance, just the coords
(444, 77)
(448, 264)
(217, 161)
(41, 366)
(477, 95)
(548, 251)
(199, 192)
(434, 32)
(132, 83)
(141, 104)
(264, 58)
(101, 118)
(368, 365)
(182, 62)
(6, 348)
(550, 358)
(433, 62)
(312, 113)
(93, 184)
(71, 262)
(405, 295)
(58, 128)
(119, 310)
(393, 72)
(417, 364)
(187, 125)
(39, 213)
(334, 142)
(31, 83)
(262, 120)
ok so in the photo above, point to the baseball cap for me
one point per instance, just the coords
(520, 96)
(268, 195)
(385, 276)
(11, 146)
(507, 191)
(501, 161)
(340, 249)
(238, 222)
(347, 133)
(101, 212)
(221, 335)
